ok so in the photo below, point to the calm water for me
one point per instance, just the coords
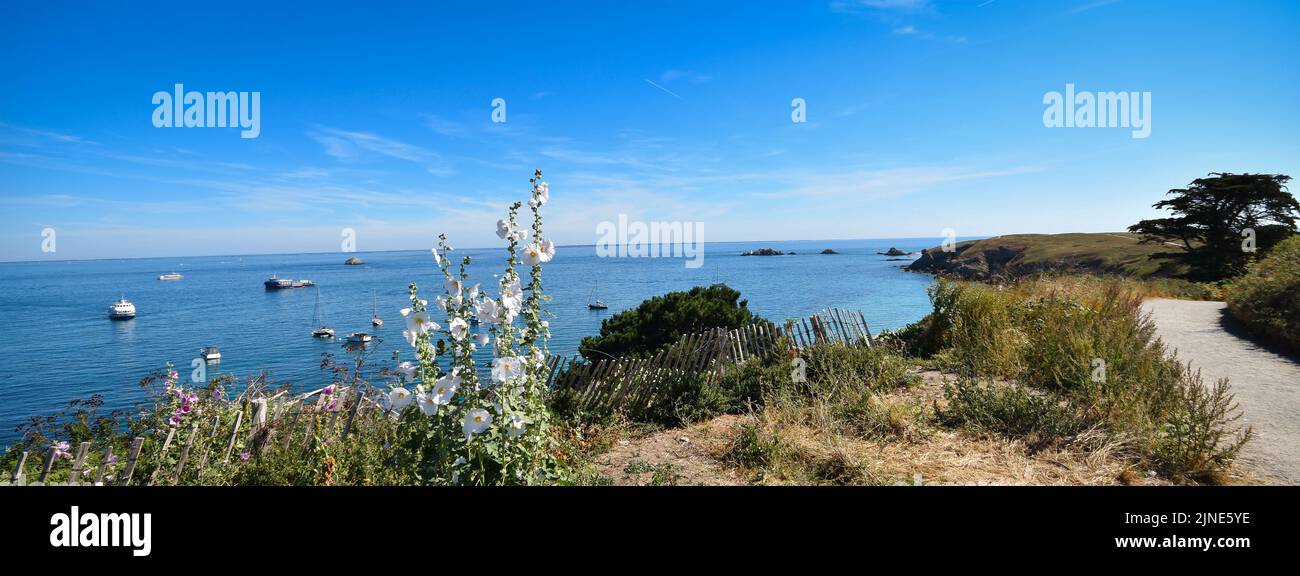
(61, 345)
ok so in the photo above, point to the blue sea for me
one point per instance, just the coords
(61, 345)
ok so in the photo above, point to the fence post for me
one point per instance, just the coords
(75, 476)
(103, 465)
(234, 432)
(352, 414)
(18, 470)
(49, 463)
(167, 442)
(125, 479)
(185, 453)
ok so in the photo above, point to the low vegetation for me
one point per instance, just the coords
(1267, 299)
(662, 320)
(1078, 355)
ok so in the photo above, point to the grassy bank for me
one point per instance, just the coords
(1048, 381)
(1016, 256)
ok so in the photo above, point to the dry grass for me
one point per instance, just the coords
(691, 455)
(810, 445)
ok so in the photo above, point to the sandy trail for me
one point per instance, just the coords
(1266, 384)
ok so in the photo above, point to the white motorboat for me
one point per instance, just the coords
(359, 338)
(210, 354)
(171, 276)
(121, 310)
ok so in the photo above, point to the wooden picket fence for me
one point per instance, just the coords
(604, 384)
(276, 418)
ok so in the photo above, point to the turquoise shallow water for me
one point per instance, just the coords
(61, 344)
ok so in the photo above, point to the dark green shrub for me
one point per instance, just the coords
(834, 371)
(662, 320)
(1267, 299)
(931, 334)
(1040, 419)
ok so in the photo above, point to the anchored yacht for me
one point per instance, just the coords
(121, 310)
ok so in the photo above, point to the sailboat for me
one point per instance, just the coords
(595, 303)
(321, 331)
(375, 320)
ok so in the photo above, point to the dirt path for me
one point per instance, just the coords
(1266, 384)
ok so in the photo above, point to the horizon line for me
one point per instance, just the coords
(475, 248)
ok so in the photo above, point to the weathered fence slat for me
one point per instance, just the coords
(352, 414)
(131, 457)
(171, 432)
(234, 432)
(185, 452)
(75, 476)
(103, 465)
(49, 464)
(18, 470)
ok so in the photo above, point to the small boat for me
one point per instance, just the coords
(359, 338)
(595, 303)
(210, 354)
(171, 276)
(321, 331)
(375, 320)
(121, 310)
(274, 283)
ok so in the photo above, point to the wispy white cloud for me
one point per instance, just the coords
(350, 146)
(688, 76)
(1090, 6)
(906, 6)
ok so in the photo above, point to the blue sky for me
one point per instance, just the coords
(921, 115)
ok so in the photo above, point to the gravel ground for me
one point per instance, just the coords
(1266, 384)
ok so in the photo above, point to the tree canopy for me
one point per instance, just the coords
(662, 320)
(1212, 218)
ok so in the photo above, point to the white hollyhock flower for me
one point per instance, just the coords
(425, 400)
(399, 398)
(507, 368)
(407, 369)
(533, 255)
(459, 328)
(437, 258)
(476, 422)
(487, 311)
(512, 288)
(417, 323)
(532, 203)
(455, 475)
(515, 426)
(453, 287)
(473, 293)
(542, 193)
(548, 250)
(444, 389)
(503, 229)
